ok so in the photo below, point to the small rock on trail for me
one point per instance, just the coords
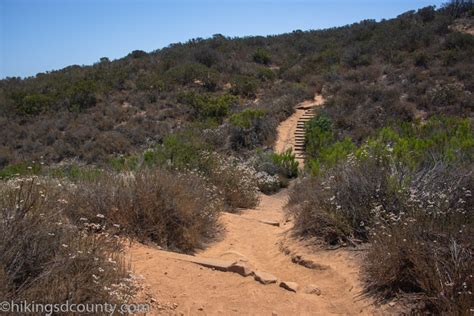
(290, 286)
(241, 268)
(265, 278)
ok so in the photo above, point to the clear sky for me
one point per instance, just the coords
(41, 35)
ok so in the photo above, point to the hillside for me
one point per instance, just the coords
(407, 68)
(328, 170)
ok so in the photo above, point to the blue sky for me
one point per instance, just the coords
(41, 35)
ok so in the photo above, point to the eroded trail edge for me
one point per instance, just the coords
(257, 268)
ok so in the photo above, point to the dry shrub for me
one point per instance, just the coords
(426, 248)
(419, 225)
(336, 206)
(47, 259)
(177, 211)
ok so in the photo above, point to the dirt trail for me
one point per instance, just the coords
(252, 237)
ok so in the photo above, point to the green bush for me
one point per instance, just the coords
(35, 104)
(266, 74)
(20, 169)
(82, 95)
(287, 164)
(330, 155)
(262, 56)
(124, 163)
(318, 134)
(245, 86)
(440, 139)
(178, 151)
(75, 172)
(246, 118)
(209, 107)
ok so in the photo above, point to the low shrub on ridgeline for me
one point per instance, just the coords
(407, 191)
(174, 210)
(45, 258)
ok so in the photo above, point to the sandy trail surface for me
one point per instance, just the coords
(328, 281)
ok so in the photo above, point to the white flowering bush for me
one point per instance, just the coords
(44, 257)
(236, 180)
(425, 246)
(267, 183)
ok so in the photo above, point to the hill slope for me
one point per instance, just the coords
(406, 68)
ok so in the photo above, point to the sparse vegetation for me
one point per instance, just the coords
(45, 258)
(176, 211)
(407, 191)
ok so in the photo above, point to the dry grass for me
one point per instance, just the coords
(176, 211)
(46, 258)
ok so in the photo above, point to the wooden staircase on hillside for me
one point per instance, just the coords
(299, 149)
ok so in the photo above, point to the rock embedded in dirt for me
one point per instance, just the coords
(271, 222)
(313, 289)
(265, 278)
(213, 264)
(308, 263)
(290, 286)
(241, 268)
